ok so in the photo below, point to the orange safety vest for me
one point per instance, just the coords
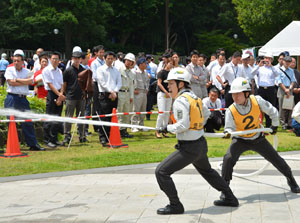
(247, 121)
(196, 112)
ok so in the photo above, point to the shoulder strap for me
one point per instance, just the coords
(286, 74)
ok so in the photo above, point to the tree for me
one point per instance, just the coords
(262, 19)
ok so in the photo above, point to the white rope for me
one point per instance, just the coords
(259, 171)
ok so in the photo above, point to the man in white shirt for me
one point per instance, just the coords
(109, 83)
(213, 63)
(98, 62)
(229, 72)
(17, 89)
(266, 74)
(53, 82)
(221, 59)
(246, 71)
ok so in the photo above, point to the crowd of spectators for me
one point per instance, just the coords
(136, 83)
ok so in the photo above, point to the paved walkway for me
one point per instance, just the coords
(131, 194)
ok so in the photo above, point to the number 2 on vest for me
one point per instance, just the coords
(251, 119)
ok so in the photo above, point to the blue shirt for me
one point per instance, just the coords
(283, 79)
(3, 64)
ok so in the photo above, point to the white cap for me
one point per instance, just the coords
(180, 74)
(19, 52)
(269, 54)
(239, 84)
(130, 56)
(245, 56)
(77, 49)
(35, 57)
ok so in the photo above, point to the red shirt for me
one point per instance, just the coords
(41, 92)
(91, 60)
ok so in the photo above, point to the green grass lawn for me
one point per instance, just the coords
(143, 148)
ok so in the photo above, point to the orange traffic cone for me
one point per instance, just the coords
(13, 145)
(115, 137)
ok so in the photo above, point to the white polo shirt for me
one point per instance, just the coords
(10, 74)
(53, 76)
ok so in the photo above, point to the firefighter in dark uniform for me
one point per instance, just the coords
(243, 115)
(190, 116)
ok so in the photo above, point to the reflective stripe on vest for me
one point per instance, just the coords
(247, 121)
(196, 112)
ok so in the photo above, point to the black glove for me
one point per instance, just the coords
(162, 130)
(227, 135)
(274, 128)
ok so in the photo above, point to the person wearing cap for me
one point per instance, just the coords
(109, 83)
(3, 65)
(74, 96)
(266, 75)
(126, 92)
(142, 79)
(98, 62)
(280, 59)
(17, 89)
(243, 115)
(190, 115)
(286, 81)
(229, 72)
(53, 83)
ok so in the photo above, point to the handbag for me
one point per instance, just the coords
(288, 102)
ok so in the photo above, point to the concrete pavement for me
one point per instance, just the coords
(131, 194)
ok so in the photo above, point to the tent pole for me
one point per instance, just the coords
(298, 63)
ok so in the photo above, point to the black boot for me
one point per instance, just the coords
(293, 184)
(222, 196)
(171, 209)
(229, 200)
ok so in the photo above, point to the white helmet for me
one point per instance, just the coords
(129, 56)
(3, 55)
(19, 52)
(239, 84)
(77, 49)
(179, 74)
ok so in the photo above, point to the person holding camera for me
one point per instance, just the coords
(266, 74)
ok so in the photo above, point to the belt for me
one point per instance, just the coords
(19, 95)
(124, 90)
(267, 87)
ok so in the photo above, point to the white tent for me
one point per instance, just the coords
(287, 40)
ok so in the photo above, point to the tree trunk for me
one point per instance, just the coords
(124, 38)
(68, 40)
